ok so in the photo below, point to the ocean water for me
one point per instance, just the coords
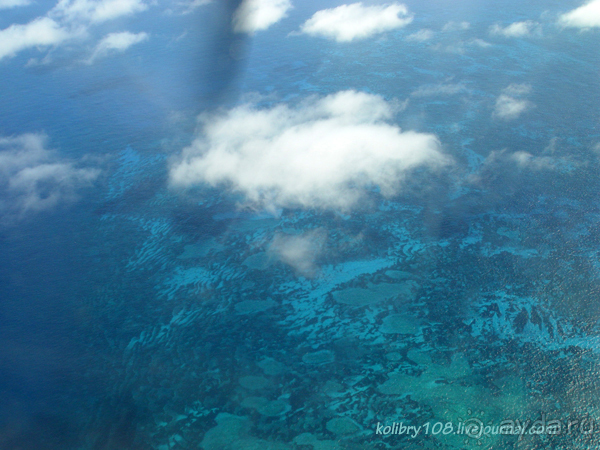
(138, 316)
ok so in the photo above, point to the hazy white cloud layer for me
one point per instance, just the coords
(257, 15)
(33, 178)
(517, 29)
(6, 4)
(116, 43)
(510, 104)
(586, 16)
(351, 22)
(322, 153)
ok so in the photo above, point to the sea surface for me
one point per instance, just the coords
(138, 316)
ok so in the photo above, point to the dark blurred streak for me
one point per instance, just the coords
(226, 57)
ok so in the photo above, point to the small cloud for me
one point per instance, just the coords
(96, 11)
(552, 147)
(7, 4)
(476, 42)
(421, 36)
(521, 159)
(300, 252)
(584, 17)
(116, 43)
(324, 153)
(456, 26)
(190, 5)
(35, 62)
(183, 7)
(257, 15)
(517, 29)
(529, 161)
(509, 106)
(41, 32)
(517, 89)
(347, 23)
(461, 47)
(509, 169)
(429, 90)
(34, 179)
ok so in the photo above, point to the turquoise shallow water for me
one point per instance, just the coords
(135, 316)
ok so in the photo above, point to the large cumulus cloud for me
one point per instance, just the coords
(322, 153)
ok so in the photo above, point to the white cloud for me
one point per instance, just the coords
(355, 21)
(34, 179)
(323, 153)
(41, 32)
(299, 252)
(116, 42)
(7, 4)
(428, 90)
(420, 36)
(96, 11)
(517, 29)
(456, 26)
(509, 106)
(586, 16)
(258, 15)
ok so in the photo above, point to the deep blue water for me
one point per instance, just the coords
(140, 317)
